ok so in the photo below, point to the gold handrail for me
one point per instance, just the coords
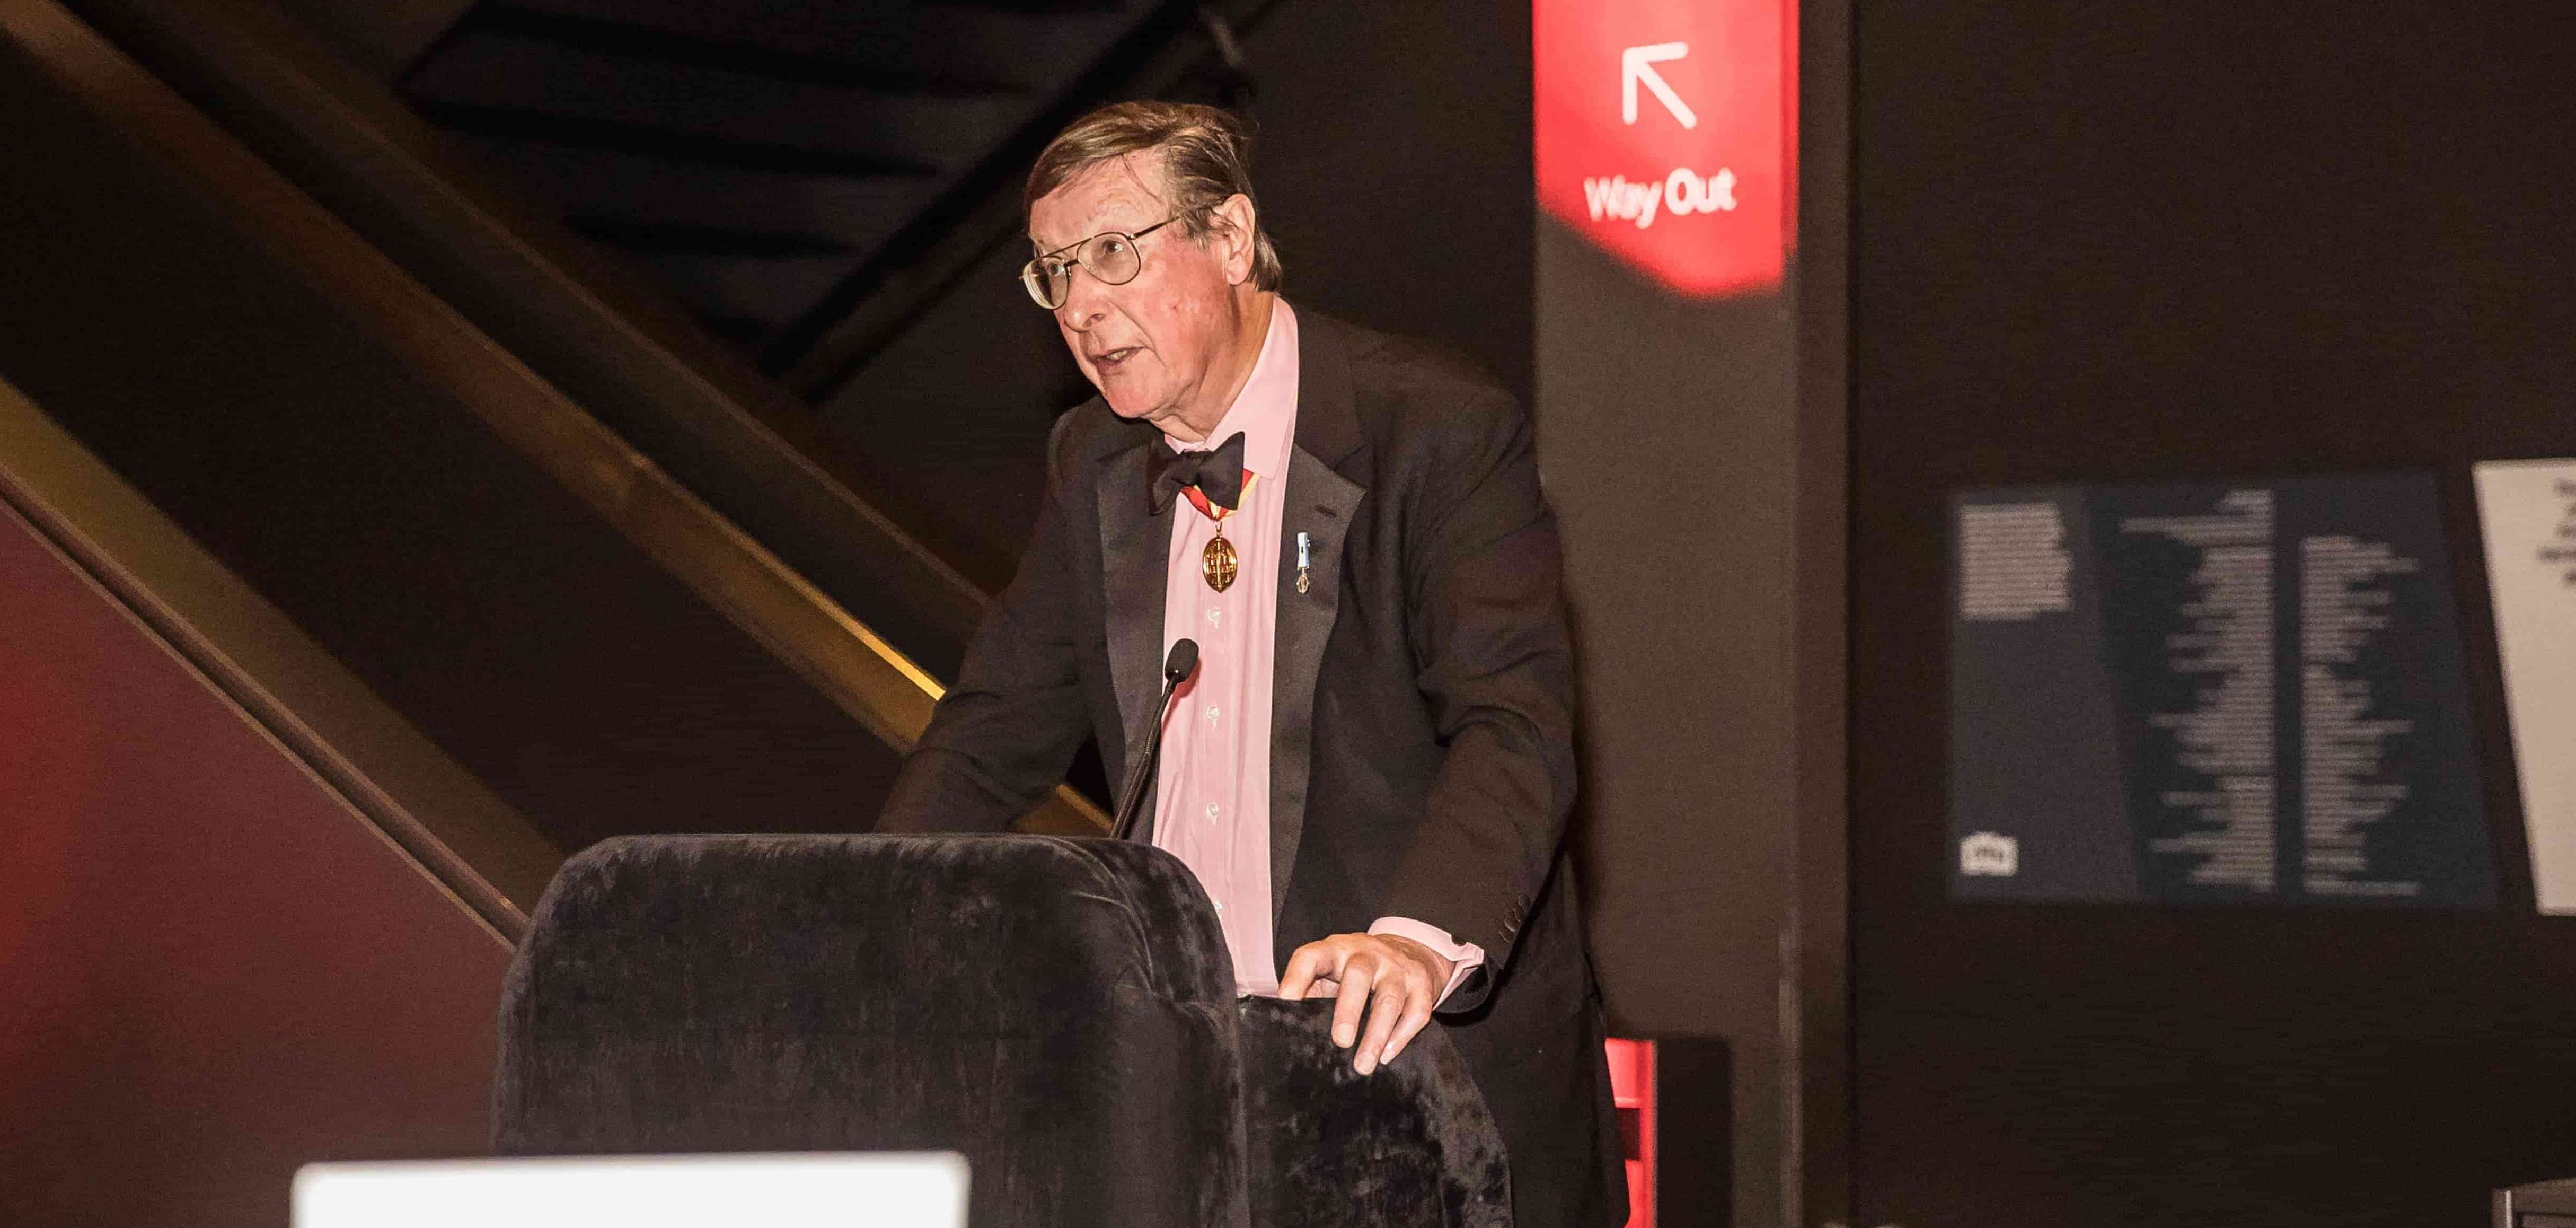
(857, 670)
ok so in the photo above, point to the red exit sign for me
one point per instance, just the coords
(1666, 135)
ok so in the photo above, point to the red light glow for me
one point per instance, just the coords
(1632, 1093)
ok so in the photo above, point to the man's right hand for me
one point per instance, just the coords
(1396, 981)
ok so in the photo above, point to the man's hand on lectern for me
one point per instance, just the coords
(1396, 980)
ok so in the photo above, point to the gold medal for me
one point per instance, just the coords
(1217, 562)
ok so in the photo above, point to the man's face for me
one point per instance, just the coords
(1150, 344)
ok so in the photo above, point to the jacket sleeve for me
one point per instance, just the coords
(1001, 738)
(1495, 662)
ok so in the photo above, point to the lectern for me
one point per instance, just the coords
(1060, 1011)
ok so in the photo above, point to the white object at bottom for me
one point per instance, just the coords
(802, 1190)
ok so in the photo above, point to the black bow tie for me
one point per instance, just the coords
(1217, 474)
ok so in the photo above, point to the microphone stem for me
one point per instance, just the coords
(1139, 771)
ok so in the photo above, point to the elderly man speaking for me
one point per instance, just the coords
(1371, 768)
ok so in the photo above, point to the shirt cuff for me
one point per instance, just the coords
(1466, 956)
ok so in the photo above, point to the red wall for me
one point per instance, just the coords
(211, 969)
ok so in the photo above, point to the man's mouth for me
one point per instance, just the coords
(1107, 360)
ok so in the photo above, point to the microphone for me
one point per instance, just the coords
(1176, 668)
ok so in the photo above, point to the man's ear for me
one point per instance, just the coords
(1235, 224)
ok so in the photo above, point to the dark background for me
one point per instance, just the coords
(2189, 240)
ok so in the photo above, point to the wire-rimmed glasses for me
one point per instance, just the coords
(1110, 256)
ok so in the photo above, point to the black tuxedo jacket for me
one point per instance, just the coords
(1422, 761)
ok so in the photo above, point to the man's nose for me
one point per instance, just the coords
(1086, 301)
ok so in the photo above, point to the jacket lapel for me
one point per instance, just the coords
(1321, 498)
(1135, 547)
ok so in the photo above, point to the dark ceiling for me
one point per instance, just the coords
(757, 157)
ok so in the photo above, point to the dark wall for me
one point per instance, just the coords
(2185, 240)
(215, 969)
(1667, 441)
(1395, 168)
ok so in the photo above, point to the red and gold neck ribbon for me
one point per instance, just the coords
(1212, 511)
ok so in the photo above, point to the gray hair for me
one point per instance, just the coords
(1207, 158)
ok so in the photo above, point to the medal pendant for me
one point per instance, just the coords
(1217, 563)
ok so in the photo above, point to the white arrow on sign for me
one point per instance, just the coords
(1638, 64)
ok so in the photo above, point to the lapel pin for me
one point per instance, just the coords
(1304, 556)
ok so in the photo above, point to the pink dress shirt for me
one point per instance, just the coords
(1212, 796)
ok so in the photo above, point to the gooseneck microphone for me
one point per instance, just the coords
(1184, 658)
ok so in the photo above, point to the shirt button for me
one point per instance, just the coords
(1212, 812)
(1212, 618)
(1220, 906)
(1211, 714)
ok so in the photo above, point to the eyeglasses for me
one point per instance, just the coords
(1110, 256)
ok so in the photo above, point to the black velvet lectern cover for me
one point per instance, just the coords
(1061, 1011)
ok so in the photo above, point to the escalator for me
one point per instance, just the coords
(589, 637)
(721, 228)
